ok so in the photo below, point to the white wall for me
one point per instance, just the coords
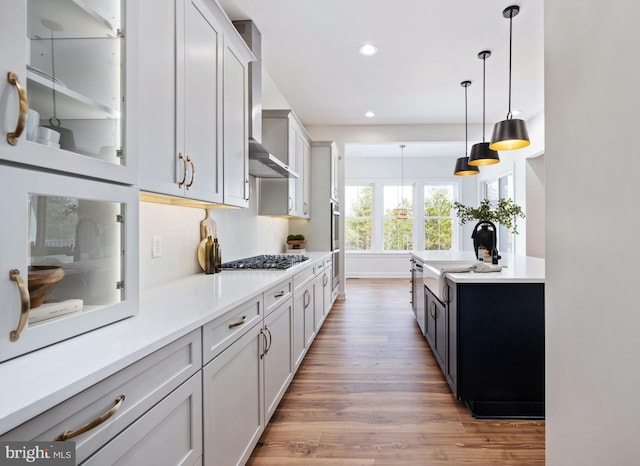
(592, 195)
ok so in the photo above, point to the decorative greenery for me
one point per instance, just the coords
(505, 213)
(295, 238)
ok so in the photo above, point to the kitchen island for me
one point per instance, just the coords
(486, 331)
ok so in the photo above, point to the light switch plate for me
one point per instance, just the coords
(156, 247)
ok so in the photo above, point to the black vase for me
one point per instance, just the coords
(484, 234)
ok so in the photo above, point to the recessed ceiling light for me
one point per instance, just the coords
(369, 114)
(368, 49)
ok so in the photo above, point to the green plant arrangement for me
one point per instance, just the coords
(505, 213)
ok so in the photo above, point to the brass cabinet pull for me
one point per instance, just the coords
(279, 294)
(446, 293)
(305, 208)
(325, 280)
(25, 301)
(12, 137)
(184, 170)
(247, 187)
(193, 172)
(290, 203)
(67, 434)
(306, 296)
(238, 323)
(266, 343)
(432, 310)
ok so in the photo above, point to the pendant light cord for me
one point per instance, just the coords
(465, 122)
(509, 114)
(484, 67)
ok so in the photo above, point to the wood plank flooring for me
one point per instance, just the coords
(370, 393)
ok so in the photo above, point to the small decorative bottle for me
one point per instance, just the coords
(217, 256)
(209, 257)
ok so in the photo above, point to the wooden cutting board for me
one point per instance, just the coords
(208, 226)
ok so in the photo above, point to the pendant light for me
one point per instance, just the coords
(462, 163)
(511, 133)
(480, 152)
(401, 212)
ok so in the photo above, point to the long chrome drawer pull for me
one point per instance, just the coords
(12, 137)
(66, 435)
(25, 301)
(238, 323)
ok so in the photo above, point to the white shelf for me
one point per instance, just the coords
(70, 105)
(78, 18)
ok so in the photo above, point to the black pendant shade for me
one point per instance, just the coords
(463, 168)
(510, 134)
(480, 153)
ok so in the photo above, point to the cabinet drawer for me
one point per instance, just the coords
(221, 332)
(143, 383)
(302, 277)
(276, 295)
(169, 434)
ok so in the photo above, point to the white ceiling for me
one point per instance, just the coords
(426, 48)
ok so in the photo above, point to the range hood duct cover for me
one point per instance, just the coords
(262, 164)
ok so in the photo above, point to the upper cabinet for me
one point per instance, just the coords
(65, 93)
(193, 112)
(285, 137)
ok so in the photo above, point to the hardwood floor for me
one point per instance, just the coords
(370, 393)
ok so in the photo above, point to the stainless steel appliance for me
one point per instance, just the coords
(265, 261)
(417, 293)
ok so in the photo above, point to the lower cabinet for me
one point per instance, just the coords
(233, 400)
(169, 434)
(303, 321)
(435, 326)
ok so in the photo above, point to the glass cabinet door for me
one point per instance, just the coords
(64, 89)
(69, 255)
(74, 75)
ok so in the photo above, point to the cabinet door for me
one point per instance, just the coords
(309, 319)
(300, 304)
(236, 155)
(430, 318)
(441, 333)
(74, 120)
(169, 434)
(335, 158)
(199, 87)
(318, 300)
(451, 362)
(305, 210)
(278, 364)
(233, 401)
(328, 290)
(69, 262)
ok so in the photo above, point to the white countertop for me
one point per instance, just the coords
(515, 269)
(37, 381)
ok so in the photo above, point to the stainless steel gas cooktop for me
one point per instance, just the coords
(265, 261)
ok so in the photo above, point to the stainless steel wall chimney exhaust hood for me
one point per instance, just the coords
(262, 164)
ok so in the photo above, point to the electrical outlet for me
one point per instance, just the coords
(156, 247)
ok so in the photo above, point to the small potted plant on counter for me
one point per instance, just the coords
(296, 241)
(505, 213)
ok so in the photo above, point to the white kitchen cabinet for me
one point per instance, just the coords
(67, 59)
(233, 400)
(285, 137)
(193, 91)
(303, 321)
(278, 363)
(70, 257)
(147, 404)
(170, 434)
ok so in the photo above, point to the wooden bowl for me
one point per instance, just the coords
(42, 281)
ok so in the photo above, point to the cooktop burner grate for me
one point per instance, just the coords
(265, 261)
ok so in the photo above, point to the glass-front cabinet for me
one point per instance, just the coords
(63, 86)
(69, 250)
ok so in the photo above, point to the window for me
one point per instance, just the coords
(438, 221)
(359, 217)
(398, 230)
(501, 188)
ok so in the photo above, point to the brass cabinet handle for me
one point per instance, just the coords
(184, 170)
(325, 280)
(446, 293)
(279, 294)
(432, 310)
(266, 343)
(25, 301)
(290, 203)
(247, 187)
(305, 208)
(306, 300)
(193, 172)
(238, 323)
(67, 434)
(12, 137)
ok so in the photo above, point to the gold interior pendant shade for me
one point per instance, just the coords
(480, 153)
(462, 167)
(511, 133)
